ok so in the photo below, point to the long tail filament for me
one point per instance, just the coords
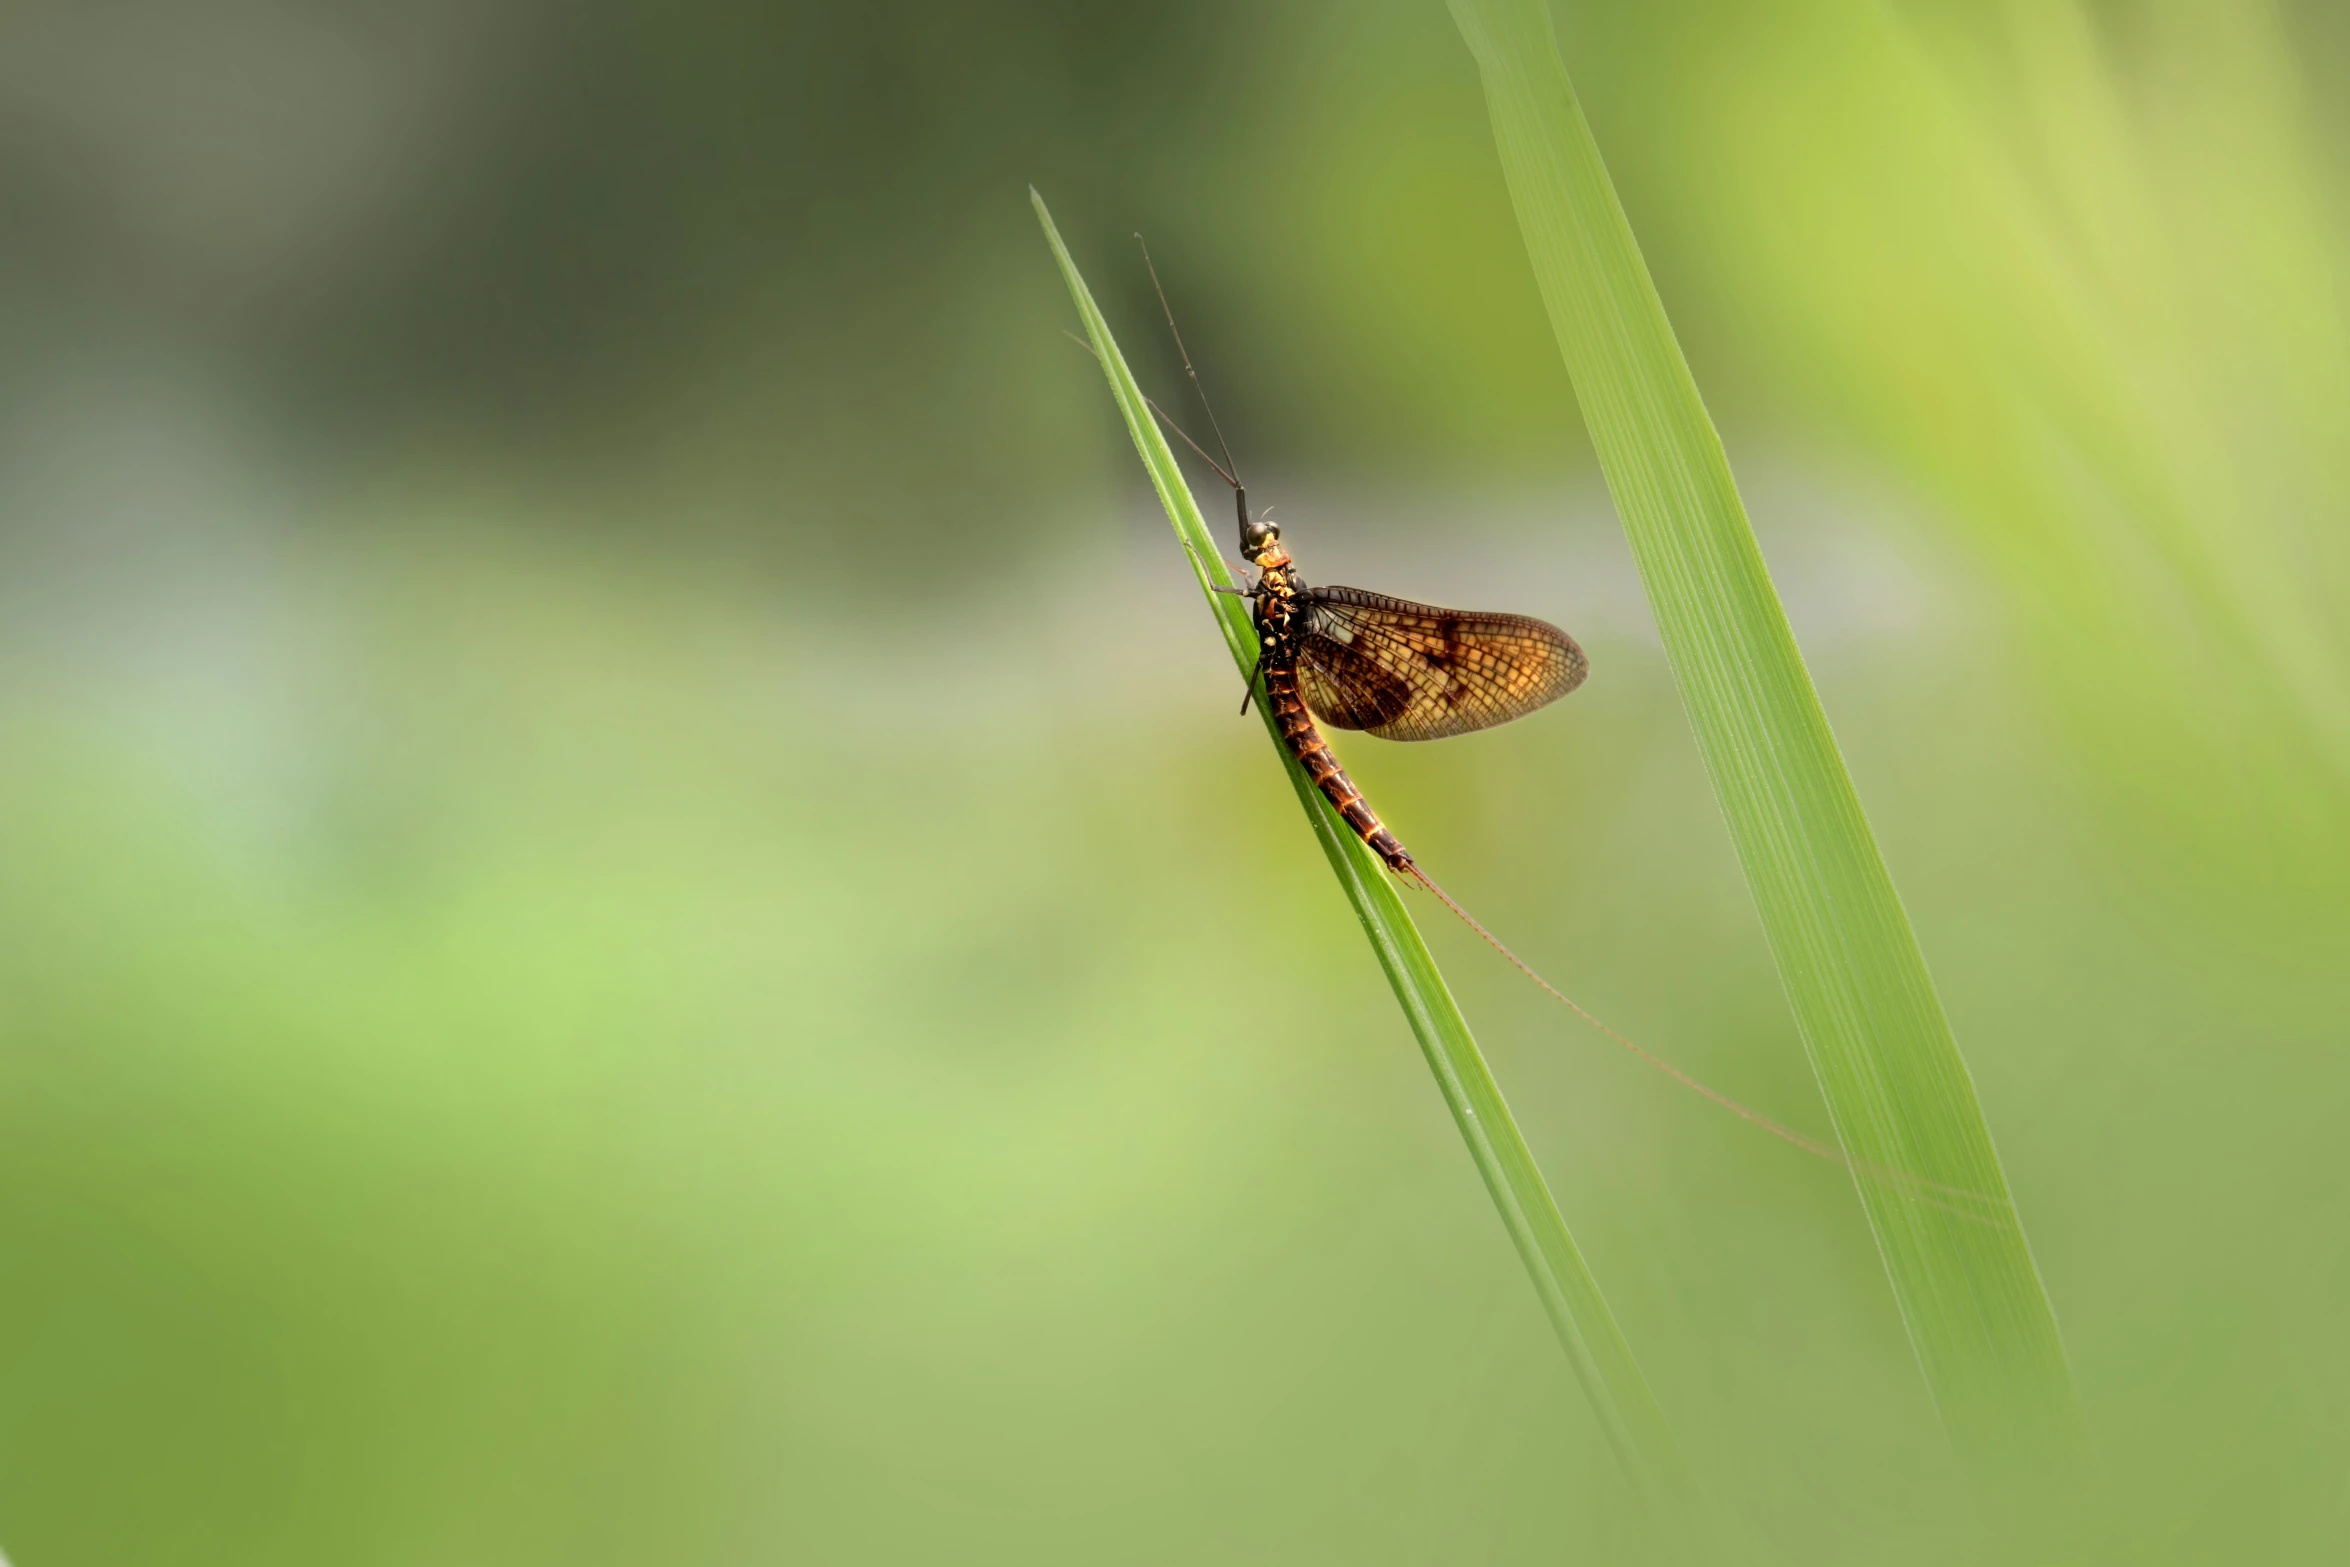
(1809, 1145)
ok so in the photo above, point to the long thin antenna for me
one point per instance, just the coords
(1808, 1144)
(1230, 467)
(1221, 471)
(1168, 420)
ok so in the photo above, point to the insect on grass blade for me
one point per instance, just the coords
(1596, 1348)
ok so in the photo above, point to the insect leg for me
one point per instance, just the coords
(1246, 593)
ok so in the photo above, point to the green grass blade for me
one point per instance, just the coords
(1900, 1095)
(1570, 1296)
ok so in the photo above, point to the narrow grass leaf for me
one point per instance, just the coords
(1596, 1347)
(1898, 1091)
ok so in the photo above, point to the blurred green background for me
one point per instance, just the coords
(634, 924)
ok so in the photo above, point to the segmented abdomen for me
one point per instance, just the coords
(1305, 742)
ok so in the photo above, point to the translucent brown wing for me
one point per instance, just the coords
(1406, 671)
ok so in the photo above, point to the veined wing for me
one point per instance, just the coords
(1406, 671)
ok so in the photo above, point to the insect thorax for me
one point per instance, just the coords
(1280, 617)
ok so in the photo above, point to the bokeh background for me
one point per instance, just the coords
(634, 924)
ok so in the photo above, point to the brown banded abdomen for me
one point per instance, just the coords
(1313, 753)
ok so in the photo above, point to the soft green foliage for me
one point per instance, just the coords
(1875, 1029)
(631, 910)
(1570, 1295)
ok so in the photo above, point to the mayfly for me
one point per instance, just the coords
(1400, 670)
